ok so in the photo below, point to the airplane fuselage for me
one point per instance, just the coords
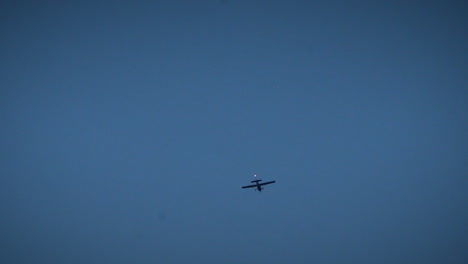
(259, 188)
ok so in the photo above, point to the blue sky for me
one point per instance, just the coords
(129, 128)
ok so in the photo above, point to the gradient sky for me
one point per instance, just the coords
(127, 130)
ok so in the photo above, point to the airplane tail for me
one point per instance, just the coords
(255, 177)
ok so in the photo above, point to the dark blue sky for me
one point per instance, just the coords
(127, 131)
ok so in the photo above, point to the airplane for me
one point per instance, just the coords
(257, 184)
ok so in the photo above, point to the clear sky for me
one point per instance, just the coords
(127, 130)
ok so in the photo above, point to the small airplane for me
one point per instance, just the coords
(257, 184)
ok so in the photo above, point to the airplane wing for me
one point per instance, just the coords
(265, 183)
(249, 186)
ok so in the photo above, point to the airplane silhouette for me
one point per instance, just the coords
(257, 184)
